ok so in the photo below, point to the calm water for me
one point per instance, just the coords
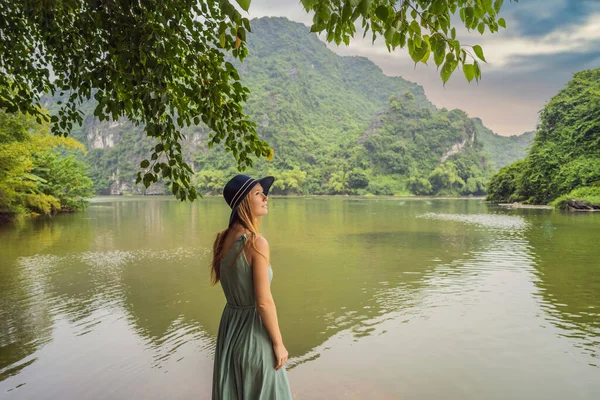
(377, 298)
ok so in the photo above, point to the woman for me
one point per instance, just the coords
(250, 355)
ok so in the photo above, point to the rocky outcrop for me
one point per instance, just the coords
(103, 135)
(118, 188)
(458, 147)
(580, 205)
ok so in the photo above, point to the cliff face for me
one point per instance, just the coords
(116, 149)
(457, 148)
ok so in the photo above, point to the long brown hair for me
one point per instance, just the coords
(245, 218)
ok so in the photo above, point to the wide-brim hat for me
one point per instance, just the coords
(239, 186)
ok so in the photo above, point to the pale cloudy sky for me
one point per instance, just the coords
(545, 42)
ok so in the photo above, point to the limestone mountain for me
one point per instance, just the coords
(563, 163)
(315, 109)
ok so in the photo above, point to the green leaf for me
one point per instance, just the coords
(439, 51)
(147, 180)
(382, 12)
(308, 4)
(438, 7)
(479, 13)
(469, 70)
(469, 17)
(479, 52)
(447, 69)
(324, 13)
(365, 7)
(481, 27)
(477, 71)
(346, 12)
(317, 28)
(426, 56)
(246, 23)
(414, 26)
(245, 4)
(417, 39)
(498, 5)
(145, 164)
(445, 73)
(389, 34)
(418, 52)
(502, 22)
(489, 7)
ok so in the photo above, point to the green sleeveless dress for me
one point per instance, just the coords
(244, 360)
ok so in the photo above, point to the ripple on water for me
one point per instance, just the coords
(179, 334)
(508, 223)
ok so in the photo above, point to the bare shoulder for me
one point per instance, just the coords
(261, 245)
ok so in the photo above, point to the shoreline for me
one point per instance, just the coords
(531, 206)
(586, 207)
(407, 196)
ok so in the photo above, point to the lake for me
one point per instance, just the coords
(378, 298)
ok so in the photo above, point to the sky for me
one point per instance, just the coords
(544, 43)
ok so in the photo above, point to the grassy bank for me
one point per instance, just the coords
(590, 195)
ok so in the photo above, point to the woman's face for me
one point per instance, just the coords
(258, 201)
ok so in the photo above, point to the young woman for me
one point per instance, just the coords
(250, 355)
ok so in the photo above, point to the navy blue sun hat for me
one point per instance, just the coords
(239, 186)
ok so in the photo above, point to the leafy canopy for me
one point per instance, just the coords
(164, 64)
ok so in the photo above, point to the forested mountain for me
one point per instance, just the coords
(565, 156)
(434, 151)
(503, 150)
(336, 124)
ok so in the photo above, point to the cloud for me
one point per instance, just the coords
(534, 18)
(578, 40)
(291, 9)
(545, 42)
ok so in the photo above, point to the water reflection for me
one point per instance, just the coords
(568, 271)
(473, 315)
(131, 276)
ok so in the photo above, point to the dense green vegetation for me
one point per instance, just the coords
(163, 66)
(316, 110)
(565, 155)
(39, 173)
(431, 152)
(405, 149)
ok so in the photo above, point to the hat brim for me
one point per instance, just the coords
(266, 184)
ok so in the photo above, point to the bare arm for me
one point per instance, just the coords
(264, 300)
